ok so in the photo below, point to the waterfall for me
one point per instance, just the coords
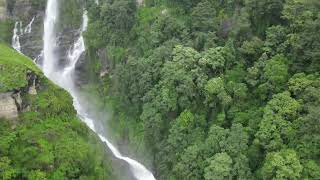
(65, 79)
(38, 58)
(19, 31)
(16, 38)
(77, 49)
(49, 38)
(28, 28)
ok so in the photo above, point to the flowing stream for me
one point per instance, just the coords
(64, 78)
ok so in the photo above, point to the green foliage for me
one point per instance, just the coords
(70, 10)
(276, 71)
(282, 165)
(47, 141)
(264, 13)
(252, 49)
(311, 170)
(5, 31)
(214, 60)
(190, 164)
(276, 40)
(299, 82)
(203, 16)
(276, 127)
(214, 86)
(219, 168)
(6, 171)
(53, 101)
(111, 21)
(303, 17)
(11, 62)
(215, 89)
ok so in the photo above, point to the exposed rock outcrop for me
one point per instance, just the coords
(8, 107)
(14, 101)
(66, 39)
(30, 16)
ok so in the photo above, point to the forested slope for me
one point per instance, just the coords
(40, 134)
(213, 89)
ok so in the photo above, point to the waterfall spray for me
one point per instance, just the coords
(65, 79)
(49, 38)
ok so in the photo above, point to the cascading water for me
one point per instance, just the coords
(28, 28)
(64, 79)
(19, 31)
(16, 38)
(49, 38)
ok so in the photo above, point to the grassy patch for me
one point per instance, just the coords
(13, 69)
(6, 28)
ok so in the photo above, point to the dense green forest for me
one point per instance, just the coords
(47, 140)
(213, 89)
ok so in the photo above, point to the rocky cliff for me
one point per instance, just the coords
(8, 108)
(18, 80)
(28, 16)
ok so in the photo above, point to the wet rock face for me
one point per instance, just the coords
(80, 76)
(30, 15)
(84, 71)
(20, 8)
(8, 107)
(66, 39)
(31, 43)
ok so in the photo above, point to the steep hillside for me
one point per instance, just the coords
(211, 89)
(40, 134)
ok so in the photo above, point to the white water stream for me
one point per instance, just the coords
(17, 32)
(64, 78)
(16, 38)
(28, 28)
